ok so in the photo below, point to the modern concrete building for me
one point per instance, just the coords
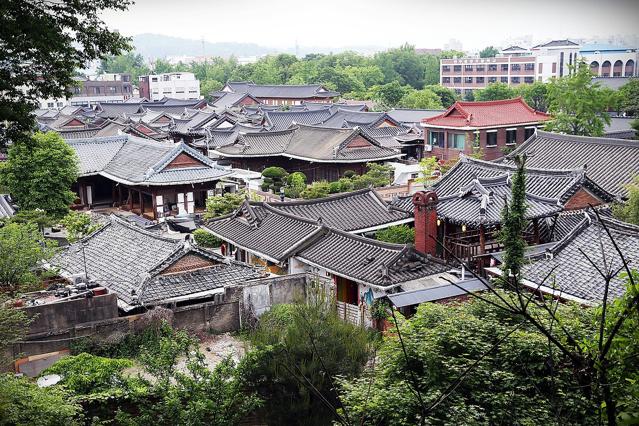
(177, 85)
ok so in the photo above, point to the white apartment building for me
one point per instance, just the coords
(176, 85)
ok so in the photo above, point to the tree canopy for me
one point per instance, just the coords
(494, 92)
(39, 174)
(488, 52)
(42, 45)
(421, 99)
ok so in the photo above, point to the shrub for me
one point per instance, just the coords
(345, 184)
(219, 205)
(206, 239)
(78, 225)
(274, 173)
(401, 234)
(349, 174)
(318, 189)
(334, 187)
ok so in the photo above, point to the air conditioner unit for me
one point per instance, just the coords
(78, 278)
(429, 148)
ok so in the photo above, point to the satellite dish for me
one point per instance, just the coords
(48, 380)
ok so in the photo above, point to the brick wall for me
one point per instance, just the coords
(581, 199)
(187, 263)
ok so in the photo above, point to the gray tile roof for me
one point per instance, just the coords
(135, 161)
(309, 143)
(344, 117)
(411, 116)
(113, 110)
(351, 211)
(610, 163)
(7, 208)
(369, 261)
(613, 83)
(573, 274)
(281, 120)
(620, 128)
(269, 233)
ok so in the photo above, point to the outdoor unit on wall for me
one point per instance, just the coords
(78, 278)
(429, 148)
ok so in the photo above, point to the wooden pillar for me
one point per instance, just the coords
(119, 195)
(141, 198)
(536, 230)
(482, 240)
(154, 204)
(130, 199)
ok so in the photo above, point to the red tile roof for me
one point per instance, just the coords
(487, 114)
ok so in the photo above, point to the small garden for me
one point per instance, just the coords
(295, 184)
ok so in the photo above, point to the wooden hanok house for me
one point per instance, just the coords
(463, 209)
(150, 178)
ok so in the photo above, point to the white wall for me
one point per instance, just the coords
(174, 85)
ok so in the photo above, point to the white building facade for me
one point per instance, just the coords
(176, 85)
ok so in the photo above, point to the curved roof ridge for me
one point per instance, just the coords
(383, 244)
(121, 221)
(511, 167)
(277, 211)
(586, 139)
(329, 198)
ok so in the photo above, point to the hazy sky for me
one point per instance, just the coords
(385, 23)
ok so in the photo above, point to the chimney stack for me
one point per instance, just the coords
(425, 203)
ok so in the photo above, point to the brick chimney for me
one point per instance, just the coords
(425, 203)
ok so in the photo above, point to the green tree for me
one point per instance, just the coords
(274, 178)
(400, 234)
(446, 96)
(578, 105)
(431, 69)
(39, 175)
(42, 44)
(295, 184)
(22, 248)
(209, 86)
(389, 95)
(78, 225)
(629, 210)
(318, 189)
(635, 125)
(630, 97)
(298, 350)
(14, 325)
(378, 175)
(126, 63)
(535, 95)
(421, 99)
(488, 52)
(219, 205)
(513, 219)
(402, 65)
(206, 239)
(23, 402)
(449, 54)
(494, 92)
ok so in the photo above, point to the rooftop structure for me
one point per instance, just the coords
(280, 94)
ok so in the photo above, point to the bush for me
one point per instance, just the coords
(78, 225)
(401, 234)
(334, 187)
(345, 184)
(349, 174)
(274, 179)
(219, 205)
(206, 239)
(274, 173)
(318, 189)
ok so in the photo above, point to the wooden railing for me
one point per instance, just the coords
(467, 245)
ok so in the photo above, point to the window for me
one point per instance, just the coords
(479, 79)
(457, 68)
(529, 80)
(192, 90)
(347, 291)
(179, 90)
(445, 79)
(468, 80)
(515, 67)
(456, 141)
(76, 90)
(529, 67)
(436, 139)
(112, 89)
(446, 68)
(458, 91)
(492, 79)
(492, 67)
(480, 68)
(528, 132)
(491, 138)
(468, 67)
(49, 104)
(504, 79)
(504, 67)
(511, 136)
(514, 80)
(96, 90)
(457, 79)
(60, 104)
(166, 77)
(154, 79)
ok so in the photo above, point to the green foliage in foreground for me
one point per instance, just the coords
(78, 225)
(299, 346)
(206, 239)
(219, 205)
(378, 175)
(629, 210)
(516, 381)
(401, 234)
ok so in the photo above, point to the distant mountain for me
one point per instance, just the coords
(160, 46)
(155, 46)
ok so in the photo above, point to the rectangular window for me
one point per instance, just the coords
(154, 80)
(77, 90)
(112, 89)
(504, 79)
(446, 68)
(491, 138)
(166, 77)
(436, 139)
(492, 67)
(347, 291)
(528, 132)
(457, 68)
(456, 141)
(457, 79)
(504, 67)
(445, 79)
(96, 90)
(479, 79)
(480, 68)
(468, 67)
(468, 80)
(511, 136)
(529, 80)
(515, 67)
(492, 79)
(514, 80)
(458, 91)
(49, 104)
(529, 67)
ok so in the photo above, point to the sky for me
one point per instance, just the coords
(383, 23)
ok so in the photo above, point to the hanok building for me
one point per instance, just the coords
(304, 237)
(490, 126)
(320, 153)
(144, 269)
(152, 179)
(610, 163)
(569, 269)
(463, 209)
(280, 94)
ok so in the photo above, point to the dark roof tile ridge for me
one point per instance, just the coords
(512, 167)
(98, 140)
(585, 139)
(122, 221)
(289, 215)
(366, 240)
(618, 225)
(305, 242)
(290, 130)
(329, 198)
(574, 232)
